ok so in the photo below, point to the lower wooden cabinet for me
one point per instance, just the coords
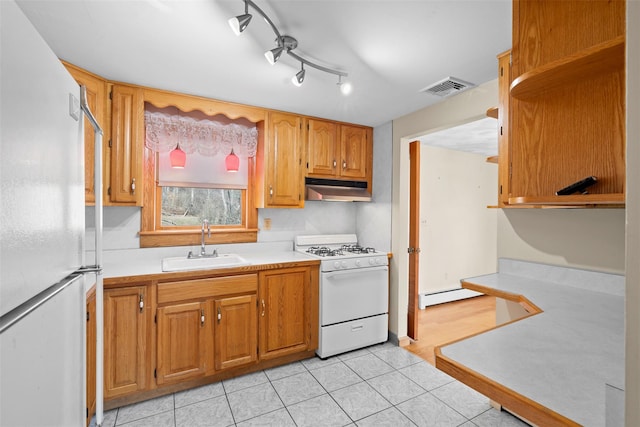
(91, 355)
(193, 329)
(181, 346)
(236, 331)
(285, 302)
(126, 340)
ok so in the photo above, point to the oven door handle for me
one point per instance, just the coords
(355, 271)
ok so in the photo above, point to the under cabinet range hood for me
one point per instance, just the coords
(336, 191)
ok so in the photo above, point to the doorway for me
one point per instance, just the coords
(456, 233)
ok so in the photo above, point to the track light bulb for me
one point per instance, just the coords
(298, 78)
(346, 88)
(274, 54)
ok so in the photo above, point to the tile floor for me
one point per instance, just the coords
(382, 385)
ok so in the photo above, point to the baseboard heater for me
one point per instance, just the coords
(427, 299)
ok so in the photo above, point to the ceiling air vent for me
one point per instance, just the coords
(447, 87)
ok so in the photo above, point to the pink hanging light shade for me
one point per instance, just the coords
(232, 162)
(178, 158)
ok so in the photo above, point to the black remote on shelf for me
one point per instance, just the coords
(577, 186)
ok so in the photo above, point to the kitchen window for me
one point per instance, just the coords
(178, 200)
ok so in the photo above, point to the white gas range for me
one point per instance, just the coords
(354, 292)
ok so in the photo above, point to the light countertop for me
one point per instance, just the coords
(563, 357)
(145, 262)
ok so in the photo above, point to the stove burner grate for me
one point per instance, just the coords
(357, 249)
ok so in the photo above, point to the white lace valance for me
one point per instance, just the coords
(206, 137)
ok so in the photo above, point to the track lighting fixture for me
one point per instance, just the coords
(274, 54)
(298, 79)
(345, 87)
(239, 23)
(284, 44)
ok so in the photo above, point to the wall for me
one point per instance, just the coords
(632, 298)
(457, 231)
(592, 239)
(373, 220)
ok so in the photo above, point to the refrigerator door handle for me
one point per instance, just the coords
(14, 316)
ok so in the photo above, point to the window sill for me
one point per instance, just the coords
(154, 239)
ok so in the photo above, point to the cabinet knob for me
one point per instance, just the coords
(133, 186)
(262, 308)
(219, 315)
(141, 303)
(271, 190)
(201, 317)
(335, 163)
(344, 164)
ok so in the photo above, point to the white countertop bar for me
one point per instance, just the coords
(563, 357)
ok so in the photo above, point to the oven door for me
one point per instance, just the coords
(353, 294)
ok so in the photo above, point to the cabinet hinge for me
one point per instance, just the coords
(111, 95)
(87, 412)
(110, 145)
(108, 191)
(500, 188)
(307, 165)
(88, 316)
(501, 71)
(155, 373)
(155, 319)
(501, 130)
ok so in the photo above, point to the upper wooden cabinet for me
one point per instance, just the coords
(96, 88)
(280, 176)
(339, 151)
(127, 142)
(567, 102)
(504, 162)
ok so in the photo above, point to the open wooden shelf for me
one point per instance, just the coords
(596, 60)
(492, 112)
(617, 199)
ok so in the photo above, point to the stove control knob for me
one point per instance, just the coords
(344, 264)
(372, 261)
(336, 264)
(379, 261)
(357, 263)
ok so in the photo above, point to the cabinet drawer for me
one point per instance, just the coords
(185, 290)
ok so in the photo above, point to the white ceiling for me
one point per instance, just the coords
(478, 137)
(391, 49)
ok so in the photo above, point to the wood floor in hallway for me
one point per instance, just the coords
(443, 323)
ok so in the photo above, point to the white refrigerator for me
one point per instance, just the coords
(42, 301)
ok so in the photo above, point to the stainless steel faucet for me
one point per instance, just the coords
(206, 228)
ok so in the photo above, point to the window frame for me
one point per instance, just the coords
(153, 234)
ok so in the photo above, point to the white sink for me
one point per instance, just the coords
(182, 263)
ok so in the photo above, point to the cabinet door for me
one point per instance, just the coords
(125, 340)
(127, 136)
(355, 152)
(181, 341)
(322, 148)
(284, 183)
(236, 339)
(284, 312)
(91, 355)
(504, 161)
(97, 100)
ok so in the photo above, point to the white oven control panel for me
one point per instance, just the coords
(353, 263)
